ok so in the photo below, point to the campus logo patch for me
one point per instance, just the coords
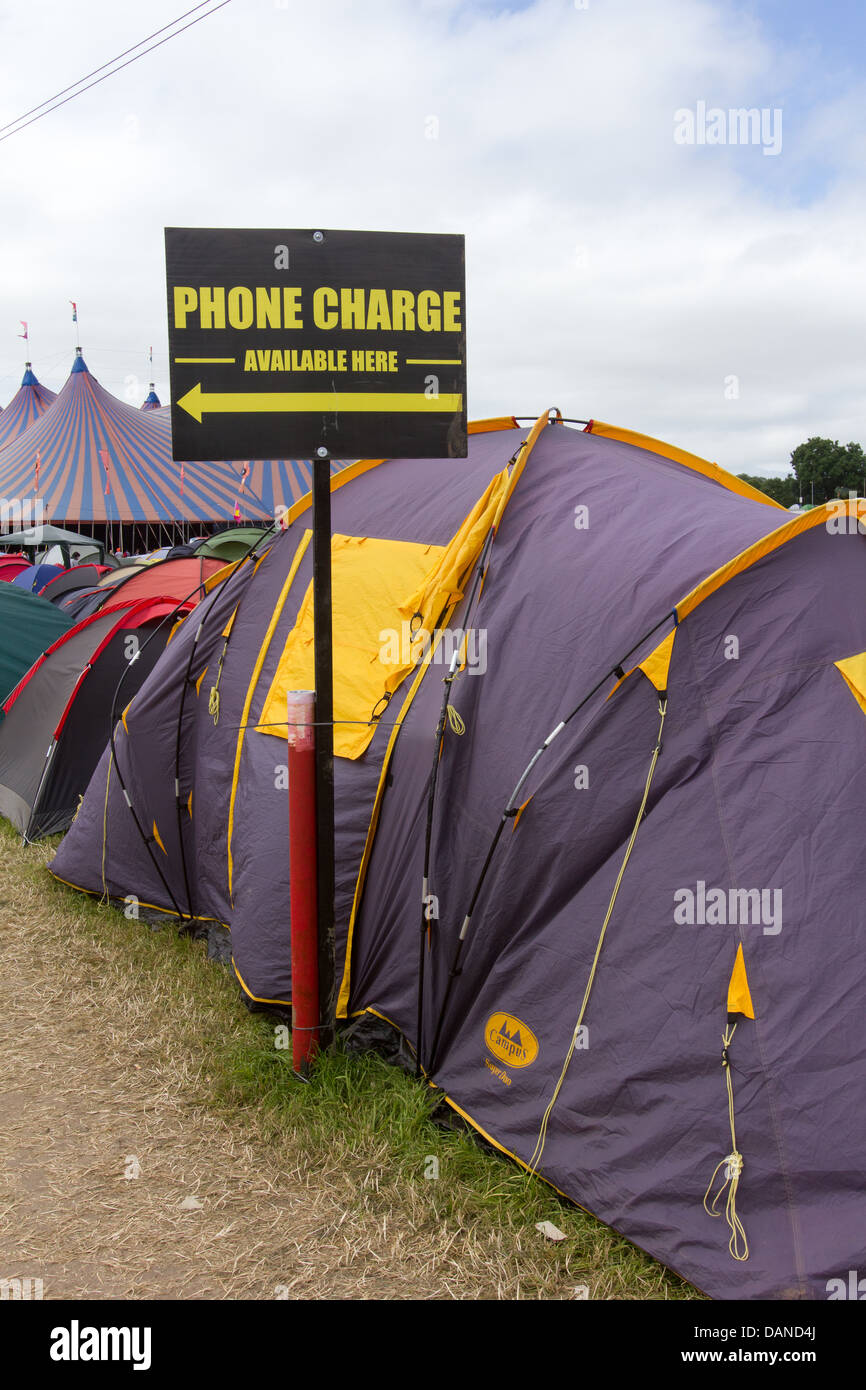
(510, 1040)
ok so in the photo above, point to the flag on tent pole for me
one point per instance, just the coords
(25, 335)
(245, 473)
(104, 455)
(74, 311)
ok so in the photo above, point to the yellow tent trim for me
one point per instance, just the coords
(818, 516)
(853, 669)
(158, 838)
(485, 515)
(657, 664)
(693, 461)
(355, 470)
(441, 583)
(501, 1147)
(243, 984)
(528, 445)
(199, 681)
(189, 805)
(373, 650)
(491, 426)
(266, 642)
(222, 575)
(739, 995)
(155, 907)
(338, 480)
(343, 997)
(380, 588)
(359, 1013)
(123, 717)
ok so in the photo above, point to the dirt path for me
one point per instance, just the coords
(114, 1181)
(139, 1158)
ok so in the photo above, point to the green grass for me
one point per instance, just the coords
(360, 1126)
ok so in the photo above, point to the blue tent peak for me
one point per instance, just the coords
(151, 398)
(79, 365)
(28, 378)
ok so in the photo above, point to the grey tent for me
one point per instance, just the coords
(61, 714)
(42, 537)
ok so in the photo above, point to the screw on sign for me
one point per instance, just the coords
(316, 344)
(281, 342)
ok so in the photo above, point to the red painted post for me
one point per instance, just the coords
(302, 878)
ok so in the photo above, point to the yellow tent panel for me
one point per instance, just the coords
(374, 643)
(739, 995)
(853, 668)
(657, 664)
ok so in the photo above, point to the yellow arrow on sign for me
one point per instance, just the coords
(198, 403)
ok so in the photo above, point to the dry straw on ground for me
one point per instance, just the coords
(133, 1081)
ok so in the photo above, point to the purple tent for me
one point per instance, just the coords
(597, 834)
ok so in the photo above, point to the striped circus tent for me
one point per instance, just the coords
(280, 482)
(30, 401)
(94, 460)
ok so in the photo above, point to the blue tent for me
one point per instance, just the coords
(35, 577)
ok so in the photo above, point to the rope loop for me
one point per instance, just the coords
(455, 721)
(384, 701)
(732, 1164)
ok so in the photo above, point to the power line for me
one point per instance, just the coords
(54, 103)
(109, 64)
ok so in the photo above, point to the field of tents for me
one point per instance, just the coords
(598, 724)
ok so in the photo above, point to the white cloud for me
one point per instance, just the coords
(610, 271)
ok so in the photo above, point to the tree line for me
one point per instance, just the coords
(822, 469)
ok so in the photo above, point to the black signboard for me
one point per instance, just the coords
(304, 343)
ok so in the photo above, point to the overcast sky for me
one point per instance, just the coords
(709, 294)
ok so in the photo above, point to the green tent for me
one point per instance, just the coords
(28, 625)
(231, 545)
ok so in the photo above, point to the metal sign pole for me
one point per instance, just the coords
(324, 682)
(294, 339)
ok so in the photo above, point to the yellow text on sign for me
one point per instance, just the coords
(374, 310)
(320, 360)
